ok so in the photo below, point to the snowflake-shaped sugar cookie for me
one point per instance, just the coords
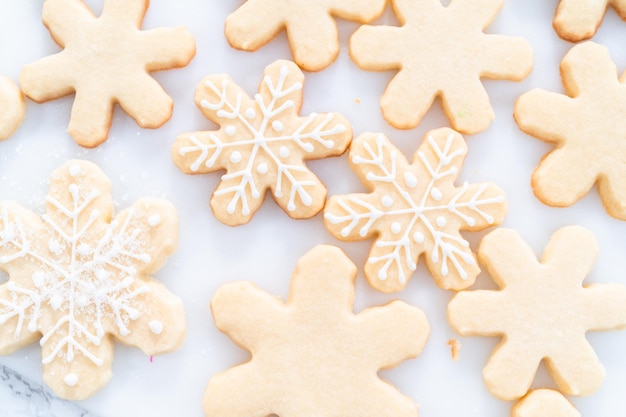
(310, 26)
(576, 20)
(544, 403)
(77, 280)
(11, 107)
(441, 51)
(262, 143)
(542, 311)
(106, 60)
(311, 355)
(413, 209)
(588, 127)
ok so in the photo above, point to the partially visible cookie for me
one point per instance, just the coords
(262, 144)
(79, 280)
(587, 125)
(441, 51)
(544, 403)
(542, 311)
(311, 355)
(415, 209)
(577, 20)
(310, 26)
(106, 61)
(12, 107)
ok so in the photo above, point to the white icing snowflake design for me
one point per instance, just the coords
(261, 143)
(77, 277)
(415, 209)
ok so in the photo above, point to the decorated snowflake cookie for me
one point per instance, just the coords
(413, 209)
(262, 143)
(77, 280)
(588, 128)
(310, 26)
(542, 311)
(576, 20)
(313, 346)
(105, 61)
(441, 51)
(11, 107)
(544, 403)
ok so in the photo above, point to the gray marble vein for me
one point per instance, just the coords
(21, 397)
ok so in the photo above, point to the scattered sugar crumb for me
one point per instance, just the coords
(357, 100)
(455, 348)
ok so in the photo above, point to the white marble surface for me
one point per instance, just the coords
(265, 250)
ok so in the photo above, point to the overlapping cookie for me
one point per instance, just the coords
(311, 355)
(588, 127)
(413, 209)
(262, 144)
(106, 61)
(441, 51)
(78, 280)
(542, 311)
(576, 20)
(310, 26)
(544, 403)
(12, 107)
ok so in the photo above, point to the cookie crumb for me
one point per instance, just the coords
(357, 100)
(455, 348)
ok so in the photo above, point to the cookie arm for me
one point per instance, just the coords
(606, 303)
(146, 102)
(314, 46)
(246, 313)
(477, 313)
(167, 48)
(508, 57)
(253, 24)
(536, 111)
(372, 48)
(129, 12)
(392, 333)
(47, 78)
(57, 13)
(577, 20)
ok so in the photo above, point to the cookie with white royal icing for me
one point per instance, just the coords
(78, 280)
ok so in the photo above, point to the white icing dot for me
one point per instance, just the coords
(436, 193)
(55, 301)
(387, 201)
(235, 157)
(277, 125)
(441, 221)
(70, 380)
(262, 168)
(55, 247)
(250, 113)
(156, 326)
(154, 220)
(101, 274)
(38, 278)
(230, 130)
(410, 180)
(82, 300)
(75, 170)
(418, 237)
(84, 249)
(396, 227)
(283, 152)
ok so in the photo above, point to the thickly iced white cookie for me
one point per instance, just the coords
(310, 26)
(11, 107)
(311, 355)
(441, 51)
(413, 209)
(262, 144)
(78, 280)
(542, 311)
(576, 20)
(106, 61)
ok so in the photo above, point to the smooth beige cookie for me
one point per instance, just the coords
(311, 355)
(413, 209)
(576, 20)
(12, 107)
(542, 311)
(262, 144)
(79, 280)
(310, 26)
(544, 403)
(441, 51)
(587, 125)
(106, 61)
